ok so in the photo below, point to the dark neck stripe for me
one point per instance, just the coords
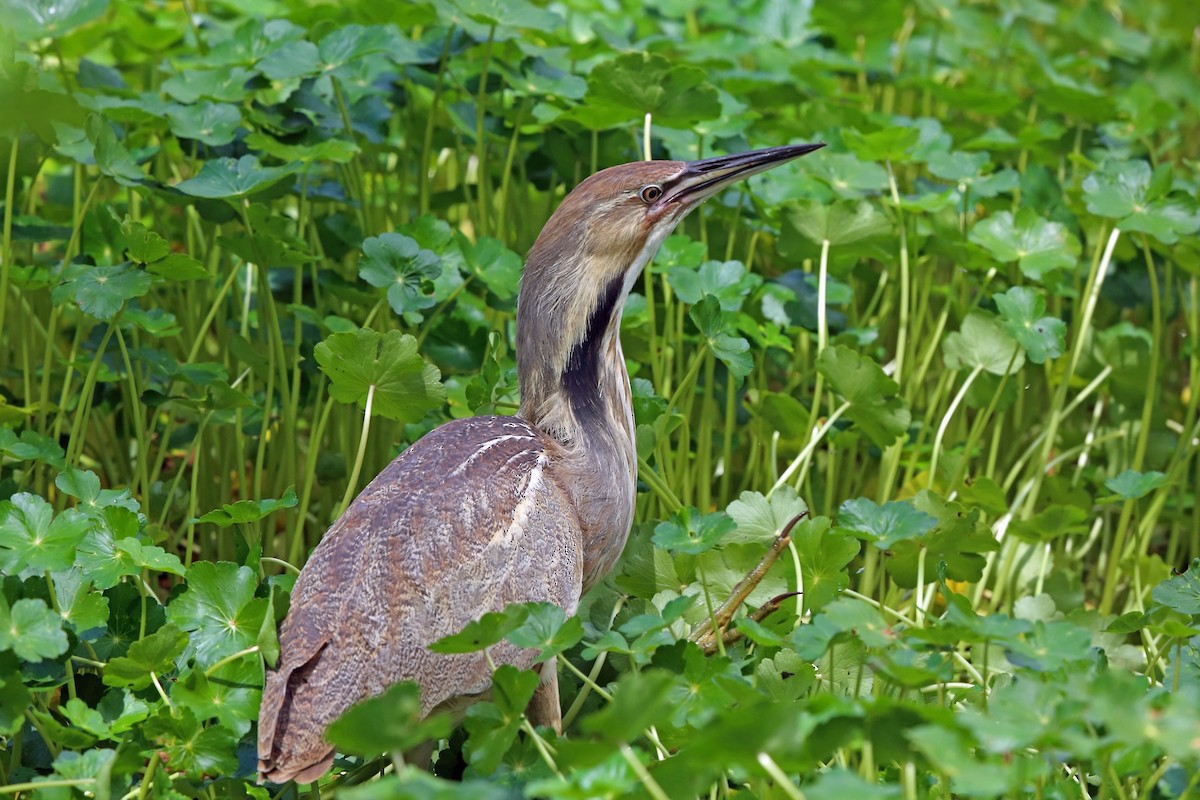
(581, 377)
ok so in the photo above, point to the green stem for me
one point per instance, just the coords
(352, 483)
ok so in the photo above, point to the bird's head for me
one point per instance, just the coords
(613, 222)
(586, 259)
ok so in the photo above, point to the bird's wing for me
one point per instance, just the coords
(466, 521)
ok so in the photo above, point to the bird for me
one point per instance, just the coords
(488, 511)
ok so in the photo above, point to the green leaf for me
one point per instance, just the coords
(228, 177)
(628, 87)
(84, 611)
(874, 407)
(840, 223)
(639, 701)
(883, 526)
(547, 629)
(959, 539)
(497, 267)
(50, 19)
(31, 446)
(492, 727)
(386, 723)
(887, 144)
(1022, 315)
(489, 629)
(32, 537)
(848, 176)
(335, 151)
(246, 511)
(219, 609)
(155, 653)
(509, 13)
(288, 61)
(101, 291)
(1051, 523)
(398, 264)
(83, 485)
(31, 630)
(760, 519)
(1132, 485)
(1182, 592)
(864, 620)
(824, 556)
(405, 386)
(691, 532)
(839, 784)
(728, 281)
(733, 351)
(178, 267)
(214, 124)
(231, 695)
(984, 343)
(111, 157)
(1123, 191)
(190, 748)
(1037, 245)
(142, 244)
(1051, 646)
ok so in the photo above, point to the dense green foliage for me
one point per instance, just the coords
(963, 337)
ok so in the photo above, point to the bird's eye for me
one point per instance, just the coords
(650, 193)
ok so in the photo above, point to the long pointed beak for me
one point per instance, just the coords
(704, 178)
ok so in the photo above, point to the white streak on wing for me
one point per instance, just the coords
(516, 529)
(484, 447)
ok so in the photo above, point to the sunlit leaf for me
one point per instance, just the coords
(406, 387)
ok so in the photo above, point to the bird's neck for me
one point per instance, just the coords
(575, 389)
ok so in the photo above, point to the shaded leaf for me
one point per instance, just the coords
(1022, 315)
(31, 630)
(874, 407)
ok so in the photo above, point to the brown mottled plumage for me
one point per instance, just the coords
(485, 512)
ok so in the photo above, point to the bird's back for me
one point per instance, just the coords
(468, 520)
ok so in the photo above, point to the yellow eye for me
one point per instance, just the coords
(650, 193)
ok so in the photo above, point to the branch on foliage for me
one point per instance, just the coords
(705, 636)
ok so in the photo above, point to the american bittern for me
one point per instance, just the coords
(485, 512)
